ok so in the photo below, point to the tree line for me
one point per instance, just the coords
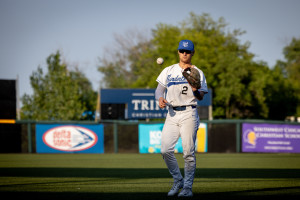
(242, 87)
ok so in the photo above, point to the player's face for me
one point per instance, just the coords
(185, 56)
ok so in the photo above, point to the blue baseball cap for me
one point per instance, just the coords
(186, 45)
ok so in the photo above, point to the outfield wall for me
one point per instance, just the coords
(225, 136)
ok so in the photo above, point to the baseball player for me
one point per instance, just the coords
(180, 98)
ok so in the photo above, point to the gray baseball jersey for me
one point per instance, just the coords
(179, 90)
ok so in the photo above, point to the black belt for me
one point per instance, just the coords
(181, 108)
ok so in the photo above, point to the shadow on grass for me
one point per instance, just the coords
(131, 173)
(153, 195)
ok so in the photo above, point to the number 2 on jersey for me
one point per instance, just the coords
(184, 90)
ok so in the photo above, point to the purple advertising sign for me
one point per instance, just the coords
(272, 138)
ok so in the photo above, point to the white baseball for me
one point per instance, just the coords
(160, 61)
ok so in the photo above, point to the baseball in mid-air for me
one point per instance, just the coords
(160, 60)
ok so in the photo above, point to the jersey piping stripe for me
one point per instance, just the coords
(176, 83)
(161, 83)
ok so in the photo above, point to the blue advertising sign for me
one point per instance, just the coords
(54, 138)
(144, 105)
(150, 139)
(141, 103)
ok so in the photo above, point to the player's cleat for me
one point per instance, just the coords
(186, 192)
(175, 188)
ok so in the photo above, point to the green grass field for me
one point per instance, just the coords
(138, 176)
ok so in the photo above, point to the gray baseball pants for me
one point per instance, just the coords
(182, 124)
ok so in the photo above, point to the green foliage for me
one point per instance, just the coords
(226, 63)
(282, 87)
(58, 95)
(281, 99)
(242, 87)
(292, 69)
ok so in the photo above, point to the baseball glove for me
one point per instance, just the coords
(192, 75)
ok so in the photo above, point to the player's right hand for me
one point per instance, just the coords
(162, 102)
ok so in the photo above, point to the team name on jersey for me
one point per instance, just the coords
(175, 80)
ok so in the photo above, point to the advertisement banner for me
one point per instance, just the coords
(201, 142)
(150, 139)
(272, 138)
(54, 138)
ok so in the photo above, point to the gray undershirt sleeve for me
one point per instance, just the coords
(159, 92)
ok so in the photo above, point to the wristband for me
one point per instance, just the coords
(196, 93)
